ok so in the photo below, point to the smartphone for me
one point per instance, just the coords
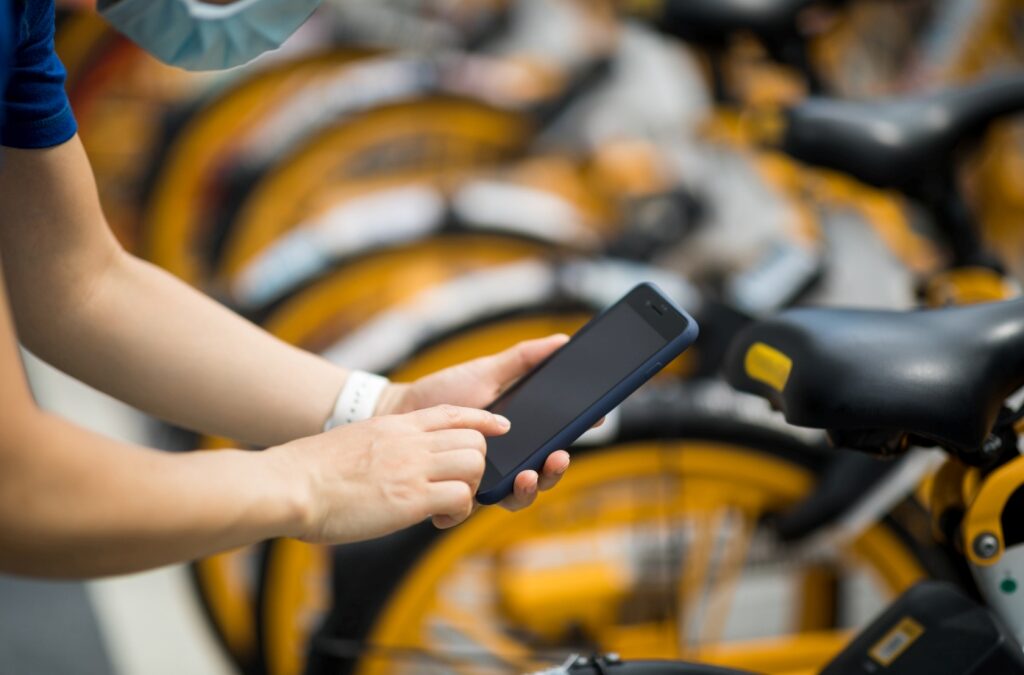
(604, 362)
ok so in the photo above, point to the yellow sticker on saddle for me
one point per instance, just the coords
(896, 641)
(768, 365)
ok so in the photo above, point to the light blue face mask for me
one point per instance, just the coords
(200, 36)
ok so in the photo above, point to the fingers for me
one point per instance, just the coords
(556, 464)
(451, 502)
(444, 522)
(455, 417)
(455, 439)
(516, 361)
(466, 465)
(524, 491)
(528, 484)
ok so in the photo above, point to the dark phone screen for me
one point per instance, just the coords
(550, 398)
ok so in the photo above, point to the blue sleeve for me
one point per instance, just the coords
(36, 113)
(6, 46)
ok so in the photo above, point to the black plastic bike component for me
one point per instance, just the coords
(716, 20)
(719, 323)
(842, 484)
(612, 665)
(494, 26)
(908, 144)
(586, 79)
(931, 629)
(1012, 523)
(656, 221)
(712, 23)
(940, 374)
(892, 143)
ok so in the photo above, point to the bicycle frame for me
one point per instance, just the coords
(991, 539)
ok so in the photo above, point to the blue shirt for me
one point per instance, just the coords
(6, 45)
(34, 108)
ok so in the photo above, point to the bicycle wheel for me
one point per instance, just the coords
(545, 199)
(595, 564)
(441, 135)
(392, 596)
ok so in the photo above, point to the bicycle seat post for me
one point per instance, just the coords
(790, 48)
(942, 198)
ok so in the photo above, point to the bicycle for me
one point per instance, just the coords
(881, 382)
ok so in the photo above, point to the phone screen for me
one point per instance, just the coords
(576, 377)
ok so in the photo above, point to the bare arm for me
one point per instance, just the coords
(73, 503)
(132, 330)
(77, 504)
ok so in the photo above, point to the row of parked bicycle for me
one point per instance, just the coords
(406, 185)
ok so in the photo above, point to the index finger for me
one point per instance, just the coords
(456, 417)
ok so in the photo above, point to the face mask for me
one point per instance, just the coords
(200, 36)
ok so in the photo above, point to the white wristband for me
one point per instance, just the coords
(358, 398)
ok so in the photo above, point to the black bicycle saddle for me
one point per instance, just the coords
(716, 20)
(892, 143)
(941, 374)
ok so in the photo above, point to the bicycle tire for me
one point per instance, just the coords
(369, 577)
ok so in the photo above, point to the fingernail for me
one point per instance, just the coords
(503, 421)
(565, 468)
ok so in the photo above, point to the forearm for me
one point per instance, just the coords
(123, 326)
(75, 504)
(146, 338)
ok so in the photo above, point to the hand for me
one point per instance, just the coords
(371, 478)
(476, 384)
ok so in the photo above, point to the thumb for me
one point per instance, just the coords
(511, 364)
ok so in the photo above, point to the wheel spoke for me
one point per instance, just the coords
(730, 568)
(697, 557)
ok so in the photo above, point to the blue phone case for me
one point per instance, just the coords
(606, 403)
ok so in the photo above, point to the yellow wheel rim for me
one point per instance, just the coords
(256, 231)
(437, 137)
(447, 134)
(226, 580)
(352, 295)
(292, 607)
(605, 492)
(175, 209)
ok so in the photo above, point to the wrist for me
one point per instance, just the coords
(392, 400)
(293, 507)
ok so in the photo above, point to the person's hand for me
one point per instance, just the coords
(476, 384)
(371, 478)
